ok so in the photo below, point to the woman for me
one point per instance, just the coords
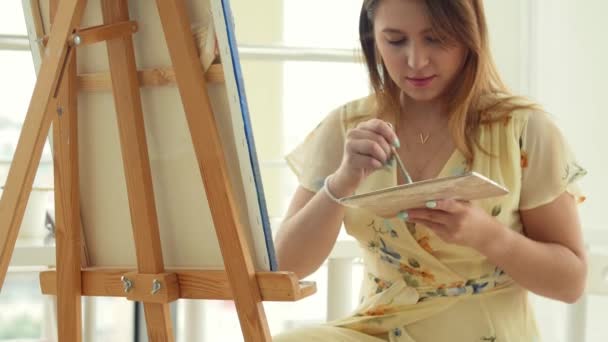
(454, 270)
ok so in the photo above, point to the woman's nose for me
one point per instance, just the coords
(417, 57)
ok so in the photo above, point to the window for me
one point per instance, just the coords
(22, 307)
(11, 18)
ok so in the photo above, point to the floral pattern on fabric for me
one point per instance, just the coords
(416, 282)
(548, 165)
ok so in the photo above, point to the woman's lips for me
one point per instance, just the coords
(420, 82)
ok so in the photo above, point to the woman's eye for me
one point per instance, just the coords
(396, 41)
(433, 40)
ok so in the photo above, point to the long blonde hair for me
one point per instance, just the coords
(478, 97)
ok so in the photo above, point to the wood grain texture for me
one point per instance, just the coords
(102, 33)
(157, 77)
(212, 164)
(34, 132)
(388, 202)
(67, 212)
(144, 220)
(37, 18)
(40, 32)
(193, 284)
(67, 203)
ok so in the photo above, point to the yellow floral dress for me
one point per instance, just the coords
(416, 287)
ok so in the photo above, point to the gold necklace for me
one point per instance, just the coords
(423, 139)
(422, 136)
(432, 157)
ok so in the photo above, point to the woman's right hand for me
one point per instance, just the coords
(367, 148)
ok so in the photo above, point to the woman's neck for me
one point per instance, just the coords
(422, 112)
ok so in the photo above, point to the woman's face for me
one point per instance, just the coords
(417, 61)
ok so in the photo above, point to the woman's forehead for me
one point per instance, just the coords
(404, 16)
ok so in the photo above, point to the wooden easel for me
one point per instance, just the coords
(54, 101)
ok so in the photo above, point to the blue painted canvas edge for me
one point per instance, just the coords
(236, 64)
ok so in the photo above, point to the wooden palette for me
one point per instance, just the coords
(389, 201)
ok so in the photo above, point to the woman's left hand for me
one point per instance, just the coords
(458, 222)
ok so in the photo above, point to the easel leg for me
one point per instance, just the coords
(34, 132)
(125, 86)
(67, 202)
(67, 210)
(205, 137)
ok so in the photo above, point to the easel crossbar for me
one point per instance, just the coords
(155, 77)
(100, 33)
(193, 284)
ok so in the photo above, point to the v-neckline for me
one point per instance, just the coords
(453, 155)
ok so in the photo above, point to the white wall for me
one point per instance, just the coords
(571, 80)
(555, 52)
(507, 24)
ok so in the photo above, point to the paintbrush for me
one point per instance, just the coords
(406, 175)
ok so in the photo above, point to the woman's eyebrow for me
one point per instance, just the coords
(394, 30)
(391, 30)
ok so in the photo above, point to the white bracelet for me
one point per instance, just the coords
(328, 192)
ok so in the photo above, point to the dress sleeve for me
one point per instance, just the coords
(320, 154)
(548, 165)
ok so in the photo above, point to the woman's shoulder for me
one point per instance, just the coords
(364, 106)
(355, 111)
(532, 117)
(346, 116)
(511, 111)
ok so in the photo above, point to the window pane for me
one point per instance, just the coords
(312, 90)
(258, 22)
(11, 18)
(18, 78)
(18, 83)
(286, 101)
(22, 307)
(311, 23)
(113, 319)
(322, 23)
(264, 88)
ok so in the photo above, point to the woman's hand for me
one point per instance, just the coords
(458, 222)
(366, 149)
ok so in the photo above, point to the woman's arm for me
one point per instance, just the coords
(313, 221)
(310, 229)
(550, 259)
